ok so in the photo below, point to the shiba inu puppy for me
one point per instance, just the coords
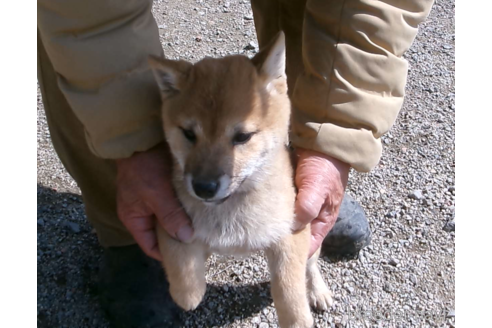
(226, 122)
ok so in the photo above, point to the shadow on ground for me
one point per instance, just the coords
(68, 263)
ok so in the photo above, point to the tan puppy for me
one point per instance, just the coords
(226, 121)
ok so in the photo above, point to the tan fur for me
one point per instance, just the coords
(254, 209)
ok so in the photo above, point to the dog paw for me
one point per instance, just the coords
(320, 298)
(186, 298)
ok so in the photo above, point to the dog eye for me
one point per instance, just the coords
(189, 134)
(241, 138)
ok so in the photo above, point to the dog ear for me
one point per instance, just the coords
(170, 75)
(270, 61)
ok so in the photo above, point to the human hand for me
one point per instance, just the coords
(145, 195)
(321, 181)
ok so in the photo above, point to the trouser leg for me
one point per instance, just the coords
(95, 176)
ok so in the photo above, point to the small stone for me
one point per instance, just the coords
(162, 26)
(41, 222)
(450, 314)
(263, 325)
(256, 320)
(225, 288)
(248, 17)
(449, 226)
(416, 194)
(391, 214)
(72, 226)
(42, 209)
(393, 262)
(251, 46)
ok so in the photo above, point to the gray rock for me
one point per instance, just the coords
(449, 226)
(450, 314)
(256, 320)
(387, 287)
(391, 214)
(251, 46)
(416, 194)
(393, 262)
(351, 231)
(72, 226)
(263, 325)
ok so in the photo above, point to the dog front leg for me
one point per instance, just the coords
(287, 261)
(184, 265)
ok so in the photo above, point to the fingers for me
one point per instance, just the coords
(321, 182)
(172, 217)
(147, 240)
(143, 231)
(320, 227)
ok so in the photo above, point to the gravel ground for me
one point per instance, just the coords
(405, 278)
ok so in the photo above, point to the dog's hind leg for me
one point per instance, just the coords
(184, 265)
(318, 294)
(287, 261)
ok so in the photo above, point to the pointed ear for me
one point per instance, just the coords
(270, 61)
(170, 75)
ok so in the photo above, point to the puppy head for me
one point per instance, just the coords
(223, 118)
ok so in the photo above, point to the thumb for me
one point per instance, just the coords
(312, 184)
(308, 204)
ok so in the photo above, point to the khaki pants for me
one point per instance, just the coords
(96, 176)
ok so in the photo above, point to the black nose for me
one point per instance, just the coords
(205, 189)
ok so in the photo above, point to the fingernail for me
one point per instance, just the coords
(185, 234)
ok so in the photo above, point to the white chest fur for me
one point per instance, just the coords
(245, 222)
(240, 227)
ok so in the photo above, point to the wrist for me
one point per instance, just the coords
(326, 163)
